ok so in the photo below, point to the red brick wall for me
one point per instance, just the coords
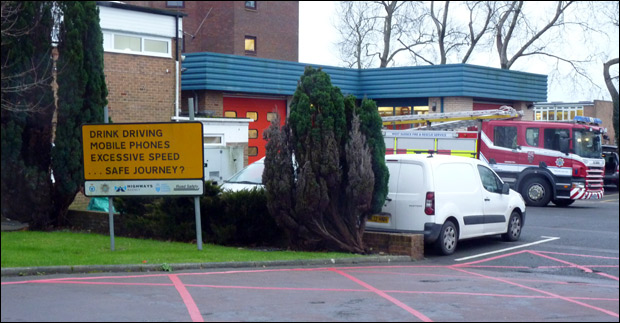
(275, 24)
(395, 244)
(140, 88)
(210, 103)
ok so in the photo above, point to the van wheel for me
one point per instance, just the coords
(563, 202)
(448, 238)
(536, 192)
(514, 227)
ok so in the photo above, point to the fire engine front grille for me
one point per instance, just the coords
(594, 179)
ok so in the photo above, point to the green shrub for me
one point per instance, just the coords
(245, 220)
(228, 218)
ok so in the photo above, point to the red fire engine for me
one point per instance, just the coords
(544, 161)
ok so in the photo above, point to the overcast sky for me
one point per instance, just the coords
(318, 37)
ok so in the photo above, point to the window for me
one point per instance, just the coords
(230, 114)
(531, 136)
(271, 116)
(175, 4)
(252, 151)
(490, 181)
(505, 137)
(250, 45)
(155, 46)
(252, 134)
(211, 140)
(552, 138)
(252, 115)
(250, 5)
(135, 44)
(557, 113)
(127, 43)
(386, 111)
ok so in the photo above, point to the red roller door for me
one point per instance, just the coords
(261, 110)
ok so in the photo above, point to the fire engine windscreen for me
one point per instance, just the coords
(587, 144)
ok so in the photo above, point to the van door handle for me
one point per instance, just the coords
(486, 199)
(388, 199)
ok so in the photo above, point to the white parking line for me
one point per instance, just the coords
(511, 248)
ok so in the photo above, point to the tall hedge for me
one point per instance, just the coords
(318, 173)
(82, 95)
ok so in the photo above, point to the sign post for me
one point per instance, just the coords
(143, 159)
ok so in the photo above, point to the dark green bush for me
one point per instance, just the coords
(228, 218)
(245, 220)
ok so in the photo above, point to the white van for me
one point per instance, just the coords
(248, 178)
(448, 198)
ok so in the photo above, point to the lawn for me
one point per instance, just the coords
(64, 248)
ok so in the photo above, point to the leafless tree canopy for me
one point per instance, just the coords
(444, 32)
(24, 80)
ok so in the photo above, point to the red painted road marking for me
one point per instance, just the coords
(585, 269)
(398, 303)
(194, 313)
(539, 291)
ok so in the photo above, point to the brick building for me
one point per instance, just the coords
(141, 61)
(267, 29)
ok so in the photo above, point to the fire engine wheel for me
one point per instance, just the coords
(448, 238)
(563, 202)
(514, 227)
(536, 192)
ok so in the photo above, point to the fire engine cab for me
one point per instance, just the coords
(545, 161)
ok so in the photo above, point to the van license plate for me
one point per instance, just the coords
(379, 218)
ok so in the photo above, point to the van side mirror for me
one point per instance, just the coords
(505, 188)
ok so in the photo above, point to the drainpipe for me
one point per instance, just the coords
(176, 71)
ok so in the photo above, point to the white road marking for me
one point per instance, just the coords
(511, 248)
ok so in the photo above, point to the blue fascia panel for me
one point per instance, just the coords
(213, 71)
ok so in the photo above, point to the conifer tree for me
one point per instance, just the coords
(318, 173)
(82, 95)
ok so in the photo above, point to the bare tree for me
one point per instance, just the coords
(431, 35)
(522, 34)
(20, 80)
(480, 13)
(356, 27)
(611, 11)
(372, 30)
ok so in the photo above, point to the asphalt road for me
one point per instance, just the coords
(564, 269)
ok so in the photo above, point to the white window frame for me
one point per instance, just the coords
(556, 109)
(108, 44)
(213, 135)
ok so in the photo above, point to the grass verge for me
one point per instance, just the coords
(64, 248)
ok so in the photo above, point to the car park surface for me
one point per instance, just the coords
(563, 269)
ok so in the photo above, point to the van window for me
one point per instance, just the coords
(411, 179)
(490, 181)
(454, 178)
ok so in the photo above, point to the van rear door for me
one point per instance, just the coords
(410, 198)
(385, 220)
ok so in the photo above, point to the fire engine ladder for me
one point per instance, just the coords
(452, 120)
